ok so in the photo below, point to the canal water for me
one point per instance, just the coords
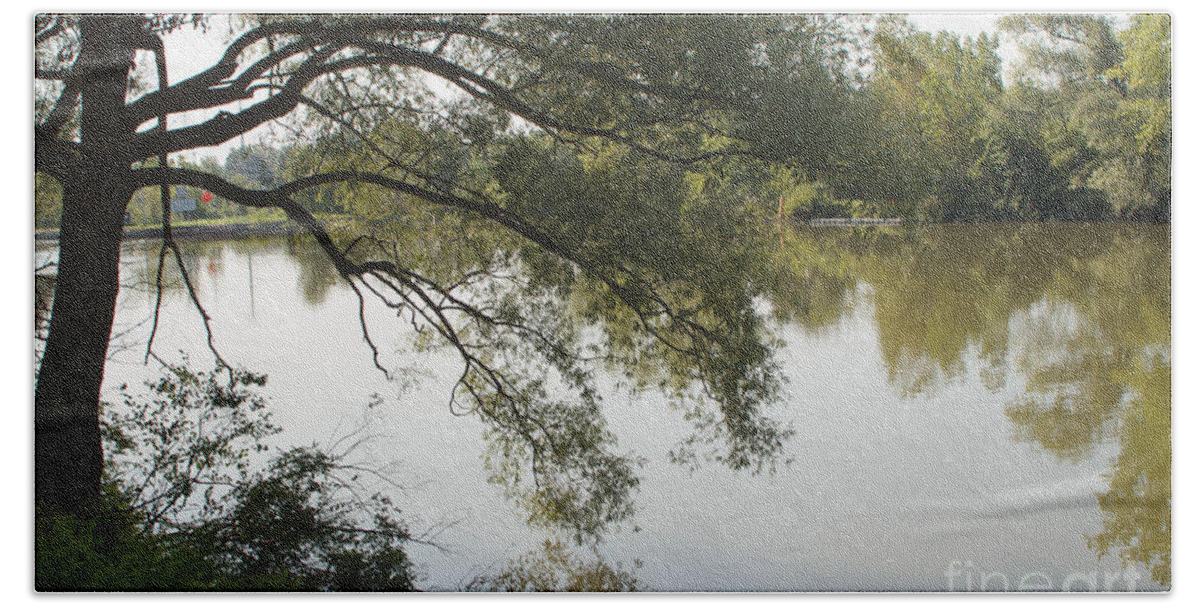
(972, 408)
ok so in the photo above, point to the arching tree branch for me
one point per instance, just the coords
(323, 43)
(633, 290)
(226, 126)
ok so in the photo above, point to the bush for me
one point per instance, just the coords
(186, 509)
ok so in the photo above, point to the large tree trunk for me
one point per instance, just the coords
(68, 459)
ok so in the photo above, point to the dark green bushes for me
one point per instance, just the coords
(186, 508)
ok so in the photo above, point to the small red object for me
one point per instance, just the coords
(206, 197)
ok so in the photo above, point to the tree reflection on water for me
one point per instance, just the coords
(1078, 317)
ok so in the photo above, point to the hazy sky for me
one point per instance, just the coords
(971, 24)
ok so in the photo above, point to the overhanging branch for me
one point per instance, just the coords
(633, 290)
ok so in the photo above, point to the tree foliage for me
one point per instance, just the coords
(194, 500)
(1081, 130)
(1114, 91)
(935, 93)
(553, 147)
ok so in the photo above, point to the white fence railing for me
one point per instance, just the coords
(855, 221)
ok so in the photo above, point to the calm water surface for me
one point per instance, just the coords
(972, 406)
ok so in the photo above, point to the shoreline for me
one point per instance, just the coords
(289, 228)
(217, 231)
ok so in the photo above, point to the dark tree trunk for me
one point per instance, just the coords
(68, 459)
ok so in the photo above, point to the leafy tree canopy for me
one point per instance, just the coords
(576, 155)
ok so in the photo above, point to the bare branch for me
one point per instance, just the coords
(158, 291)
(211, 88)
(183, 98)
(191, 290)
(164, 194)
(188, 95)
(366, 332)
(226, 126)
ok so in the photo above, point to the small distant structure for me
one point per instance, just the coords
(822, 222)
(183, 205)
(179, 204)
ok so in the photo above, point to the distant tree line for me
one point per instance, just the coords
(922, 126)
(1082, 132)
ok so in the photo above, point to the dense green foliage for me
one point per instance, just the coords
(1108, 105)
(194, 500)
(1081, 131)
(928, 130)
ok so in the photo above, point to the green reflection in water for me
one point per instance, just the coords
(660, 291)
(1078, 316)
